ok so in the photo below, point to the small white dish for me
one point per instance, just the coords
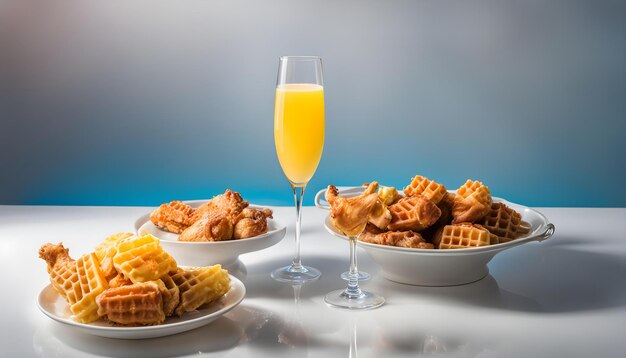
(225, 253)
(53, 305)
(434, 267)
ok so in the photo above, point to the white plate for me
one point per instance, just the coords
(54, 306)
(426, 267)
(225, 253)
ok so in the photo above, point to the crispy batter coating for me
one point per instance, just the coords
(413, 213)
(174, 216)
(230, 203)
(350, 215)
(214, 227)
(407, 239)
(251, 222)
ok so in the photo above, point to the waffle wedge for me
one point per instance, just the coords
(407, 239)
(413, 213)
(471, 203)
(504, 222)
(170, 293)
(89, 284)
(105, 252)
(199, 286)
(461, 236)
(136, 304)
(427, 188)
(142, 259)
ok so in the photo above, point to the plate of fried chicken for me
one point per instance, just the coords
(218, 230)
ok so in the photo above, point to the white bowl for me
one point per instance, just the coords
(426, 267)
(225, 253)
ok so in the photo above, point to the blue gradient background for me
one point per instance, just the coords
(137, 103)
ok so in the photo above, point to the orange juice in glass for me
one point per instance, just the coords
(299, 140)
(299, 129)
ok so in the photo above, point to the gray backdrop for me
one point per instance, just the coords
(135, 103)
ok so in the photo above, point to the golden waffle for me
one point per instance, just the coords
(471, 203)
(428, 188)
(139, 303)
(61, 267)
(174, 216)
(505, 223)
(408, 239)
(170, 294)
(89, 284)
(199, 286)
(105, 252)
(143, 259)
(461, 236)
(413, 213)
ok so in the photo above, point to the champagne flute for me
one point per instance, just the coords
(352, 297)
(299, 140)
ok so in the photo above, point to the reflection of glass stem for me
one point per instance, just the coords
(353, 351)
(296, 294)
(353, 290)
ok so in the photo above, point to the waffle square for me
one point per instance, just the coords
(88, 284)
(139, 303)
(142, 259)
(430, 189)
(413, 213)
(199, 286)
(471, 203)
(105, 252)
(174, 216)
(504, 222)
(461, 236)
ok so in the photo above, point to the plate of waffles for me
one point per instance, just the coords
(129, 287)
(429, 236)
(201, 232)
(53, 305)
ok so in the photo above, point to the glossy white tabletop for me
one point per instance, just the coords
(563, 297)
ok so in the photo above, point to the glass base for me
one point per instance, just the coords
(366, 300)
(363, 276)
(296, 276)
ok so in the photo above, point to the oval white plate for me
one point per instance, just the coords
(54, 306)
(225, 253)
(426, 267)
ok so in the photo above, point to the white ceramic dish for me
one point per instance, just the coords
(54, 306)
(441, 267)
(225, 253)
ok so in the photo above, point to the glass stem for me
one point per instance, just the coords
(296, 264)
(353, 290)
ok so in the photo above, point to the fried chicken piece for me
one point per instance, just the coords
(214, 227)
(251, 222)
(407, 239)
(380, 215)
(174, 216)
(350, 215)
(413, 213)
(230, 203)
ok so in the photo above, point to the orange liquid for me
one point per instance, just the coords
(299, 130)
